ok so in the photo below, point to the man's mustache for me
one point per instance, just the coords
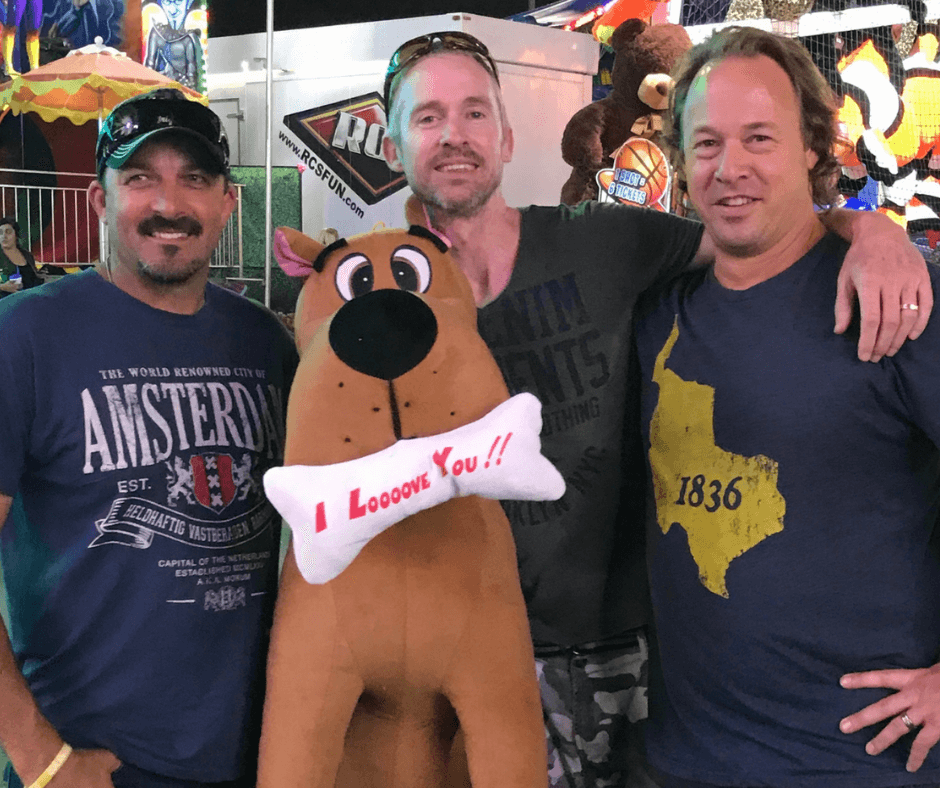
(157, 224)
(462, 152)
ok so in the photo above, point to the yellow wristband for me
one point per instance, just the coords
(53, 768)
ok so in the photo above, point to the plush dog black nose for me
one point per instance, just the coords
(384, 333)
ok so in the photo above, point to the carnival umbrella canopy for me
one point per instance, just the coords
(84, 85)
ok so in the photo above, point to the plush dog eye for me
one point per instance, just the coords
(354, 277)
(411, 269)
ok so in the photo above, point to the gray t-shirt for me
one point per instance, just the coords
(562, 330)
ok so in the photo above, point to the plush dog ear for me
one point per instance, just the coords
(416, 215)
(296, 252)
(414, 212)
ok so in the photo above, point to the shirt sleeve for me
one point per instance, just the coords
(16, 396)
(672, 243)
(656, 246)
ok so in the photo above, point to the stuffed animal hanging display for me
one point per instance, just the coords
(400, 615)
(889, 114)
(597, 133)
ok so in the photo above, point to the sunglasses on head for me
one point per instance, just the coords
(449, 41)
(141, 117)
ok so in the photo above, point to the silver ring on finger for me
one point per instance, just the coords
(912, 307)
(908, 722)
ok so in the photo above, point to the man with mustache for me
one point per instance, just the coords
(556, 288)
(139, 553)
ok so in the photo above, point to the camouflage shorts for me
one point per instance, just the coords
(592, 699)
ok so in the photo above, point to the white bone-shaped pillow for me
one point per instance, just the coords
(334, 510)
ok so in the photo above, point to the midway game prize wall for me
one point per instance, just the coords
(881, 59)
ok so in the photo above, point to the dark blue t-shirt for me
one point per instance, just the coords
(795, 495)
(140, 556)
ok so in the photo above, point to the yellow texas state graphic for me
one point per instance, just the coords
(727, 503)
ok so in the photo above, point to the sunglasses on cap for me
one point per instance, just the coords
(135, 120)
(447, 41)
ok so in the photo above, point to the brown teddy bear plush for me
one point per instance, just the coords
(595, 132)
(399, 615)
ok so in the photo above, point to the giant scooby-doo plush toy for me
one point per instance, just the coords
(399, 615)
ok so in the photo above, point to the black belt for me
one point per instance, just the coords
(626, 640)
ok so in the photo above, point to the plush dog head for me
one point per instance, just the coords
(386, 328)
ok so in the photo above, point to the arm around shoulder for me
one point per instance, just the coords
(889, 277)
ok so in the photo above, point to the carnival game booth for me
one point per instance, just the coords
(329, 118)
(882, 60)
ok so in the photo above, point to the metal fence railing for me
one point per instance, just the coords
(52, 209)
(230, 253)
(58, 224)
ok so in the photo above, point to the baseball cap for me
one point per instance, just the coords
(134, 121)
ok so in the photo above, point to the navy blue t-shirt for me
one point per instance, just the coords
(140, 555)
(796, 490)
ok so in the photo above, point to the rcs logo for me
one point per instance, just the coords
(347, 136)
(357, 135)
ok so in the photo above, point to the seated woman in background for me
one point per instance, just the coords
(17, 266)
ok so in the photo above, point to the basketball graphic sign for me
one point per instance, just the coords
(641, 176)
